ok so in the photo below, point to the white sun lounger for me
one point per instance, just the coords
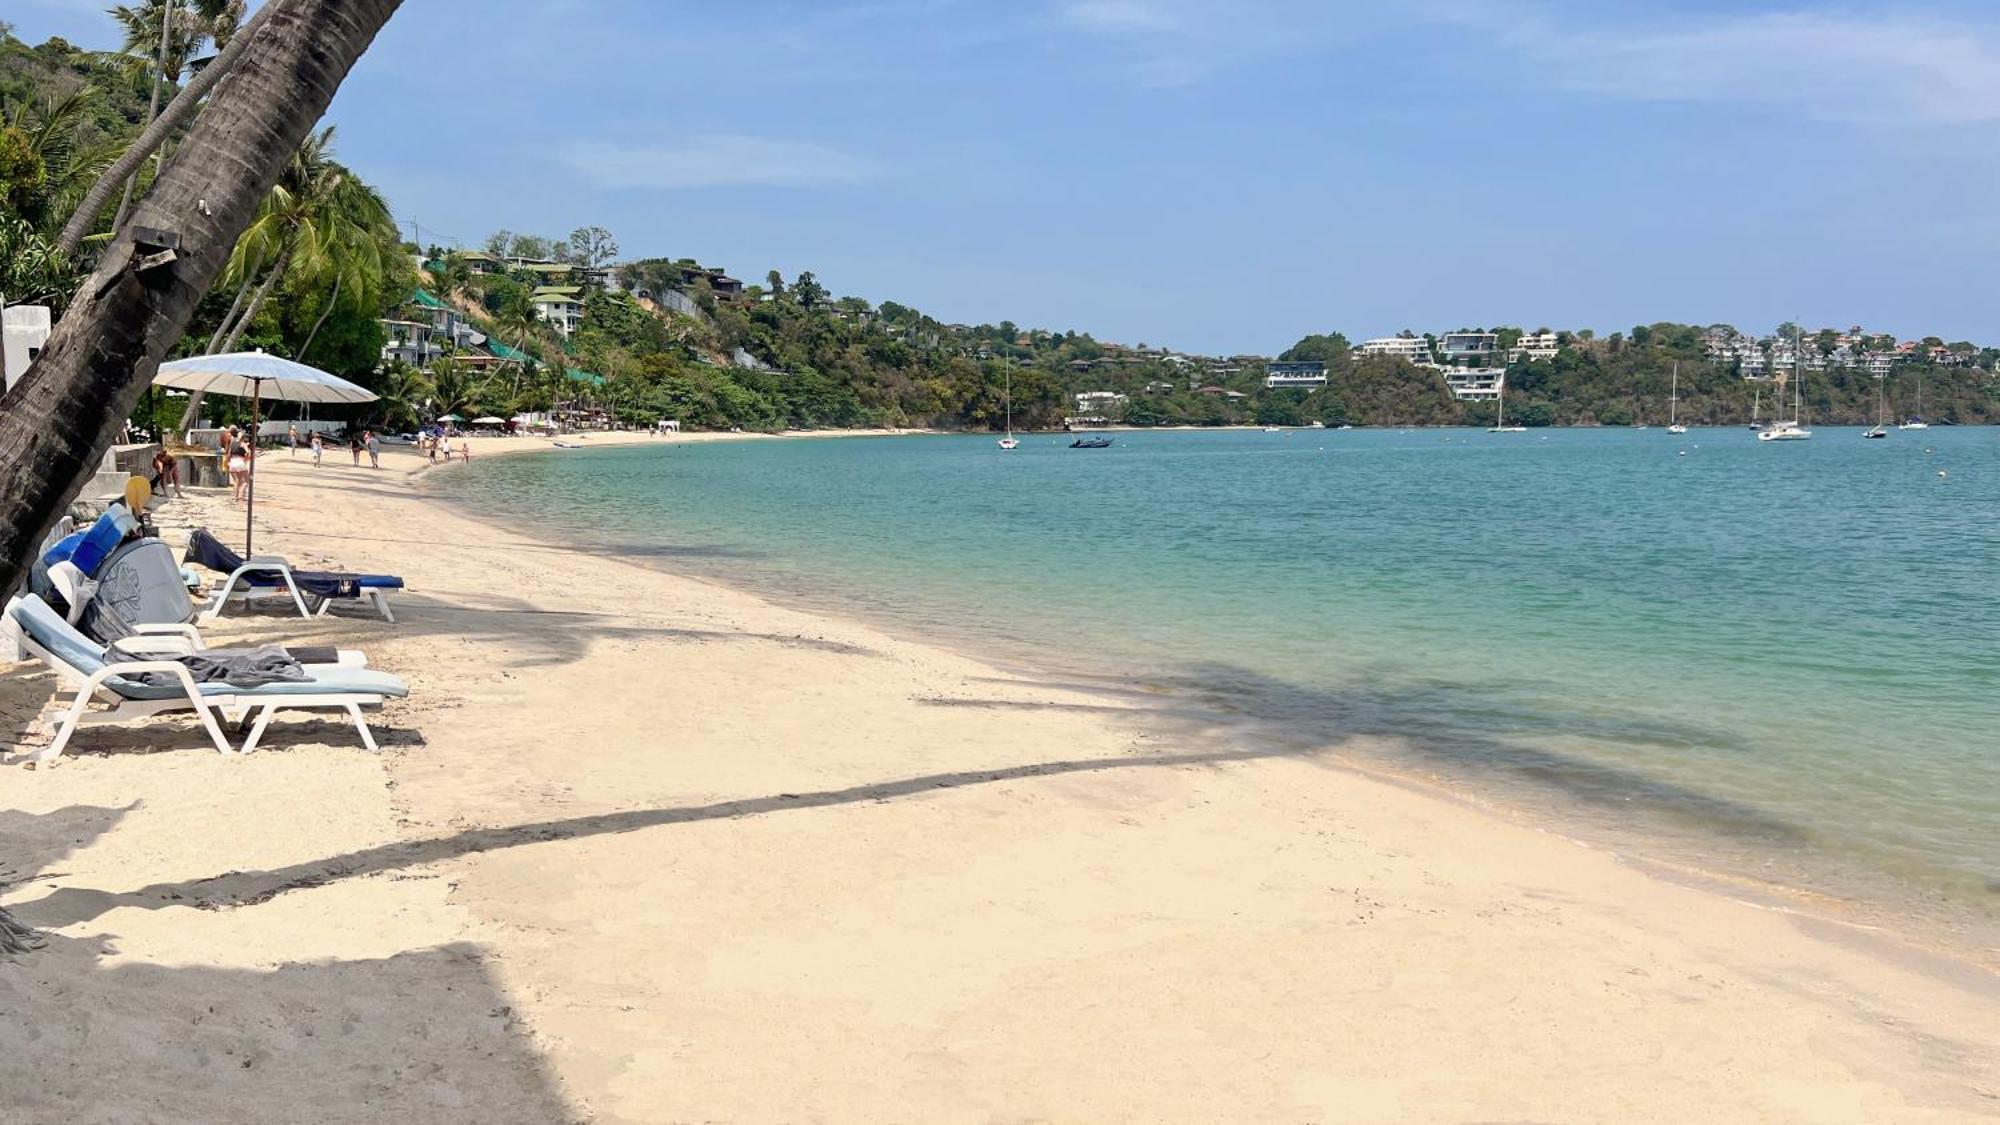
(273, 576)
(88, 673)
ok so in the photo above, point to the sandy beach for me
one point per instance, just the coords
(640, 848)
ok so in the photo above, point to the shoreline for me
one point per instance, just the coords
(1874, 907)
(681, 851)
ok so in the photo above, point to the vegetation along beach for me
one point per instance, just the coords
(1448, 671)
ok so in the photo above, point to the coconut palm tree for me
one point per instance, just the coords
(166, 33)
(58, 421)
(52, 163)
(320, 219)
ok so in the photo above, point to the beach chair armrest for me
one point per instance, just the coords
(168, 644)
(269, 560)
(172, 629)
(133, 667)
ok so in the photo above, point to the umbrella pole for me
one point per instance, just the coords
(250, 510)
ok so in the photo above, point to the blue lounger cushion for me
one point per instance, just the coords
(322, 679)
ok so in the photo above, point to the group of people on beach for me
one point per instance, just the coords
(358, 442)
(439, 445)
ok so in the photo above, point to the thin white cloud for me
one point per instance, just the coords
(1120, 16)
(1852, 63)
(1894, 67)
(1181, 42)
(715, 160)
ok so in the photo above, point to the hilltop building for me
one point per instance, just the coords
(1301, 374)
(1475, 384)
(1411, 348)
(1468, 346)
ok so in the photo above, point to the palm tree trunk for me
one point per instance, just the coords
(152, 106)
(193, 412)
(323, 314)
(58, 420)
(229, 318)
(163, 126)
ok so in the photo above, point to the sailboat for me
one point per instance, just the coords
(1010, 442)
(1501, 418)
(1757, 405)
(1881, 427)
(1783, 430)
(1674, 404)
(1916, 421)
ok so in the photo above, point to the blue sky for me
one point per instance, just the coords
(1221, 176)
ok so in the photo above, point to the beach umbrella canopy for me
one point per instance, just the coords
(489, 420)
(257, 376)
(451, 418)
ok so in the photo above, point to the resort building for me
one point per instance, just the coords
(1411, 348)
(1303, 374)
(1475, 384)
(1455, 346)
(561, 308)
(1880, 364)
(23, 331)
(1099, 402)
(409, 341)
(1534, 345)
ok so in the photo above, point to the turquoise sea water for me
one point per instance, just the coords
(1778, 660)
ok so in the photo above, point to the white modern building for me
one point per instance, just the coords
(1475, 384)
(1534, 345)
(1453, 346)
(562, 311)
(1098, 402)
(1412, 348)
(1305, 375)
(25, 329)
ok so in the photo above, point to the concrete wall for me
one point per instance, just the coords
(23, 331)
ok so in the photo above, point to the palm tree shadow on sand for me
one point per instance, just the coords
(423, 1035)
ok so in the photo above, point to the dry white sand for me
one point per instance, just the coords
(642, 848)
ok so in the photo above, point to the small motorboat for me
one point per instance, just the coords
(1877, 432)
(1091, 443)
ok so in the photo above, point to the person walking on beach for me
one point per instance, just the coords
(374, 446)
(239, 465)
(318, 446)
(354, 446)
(431, 446)
(464, 450)
(292, 437)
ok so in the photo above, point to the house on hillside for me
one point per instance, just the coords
(561, 307)
(1475, 384)
(1468, 346)
(1534, 345)
(409, 341)
(1405, 347)
(1302, 374)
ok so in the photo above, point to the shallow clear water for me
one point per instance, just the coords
(1778, 657)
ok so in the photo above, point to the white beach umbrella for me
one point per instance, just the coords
(257, 376)
(489, 420)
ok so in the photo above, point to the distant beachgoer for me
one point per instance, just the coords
(374, 446)
(354, 447)
(239, 466)
(292, 437)
(431, 447)
(318, 446)
(464, 450)
(166, 472)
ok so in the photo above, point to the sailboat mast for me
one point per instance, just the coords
(1674, 398)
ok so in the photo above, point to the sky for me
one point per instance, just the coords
(1220, 177)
